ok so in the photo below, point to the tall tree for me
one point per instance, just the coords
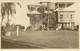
(8, 9)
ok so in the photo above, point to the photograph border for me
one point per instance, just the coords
(36, 49)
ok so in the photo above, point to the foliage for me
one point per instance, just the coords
(8, 9)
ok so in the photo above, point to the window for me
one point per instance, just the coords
(62, 5)
(61, 16)
(71, 16)
(32, 8)
(56, 5)
(29, 8)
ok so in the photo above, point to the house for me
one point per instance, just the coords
(65, 17)
(35, 14)
(58, 10)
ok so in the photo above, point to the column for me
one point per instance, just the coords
(70, 25)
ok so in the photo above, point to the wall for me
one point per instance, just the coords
(66, 16)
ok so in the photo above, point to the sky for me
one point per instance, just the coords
(23, 19)
(21, 15)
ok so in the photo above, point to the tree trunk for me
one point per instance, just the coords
(8, 28)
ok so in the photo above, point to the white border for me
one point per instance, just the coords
(38, 49)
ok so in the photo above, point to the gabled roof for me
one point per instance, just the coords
(73, 7)
(65, 9)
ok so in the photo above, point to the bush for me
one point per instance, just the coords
(3, 31)
(8, 28)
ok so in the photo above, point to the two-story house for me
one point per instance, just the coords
(65, 17)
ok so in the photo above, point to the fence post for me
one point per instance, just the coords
(17, 30)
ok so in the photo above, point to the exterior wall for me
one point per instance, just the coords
(66, 19)
(67, 16)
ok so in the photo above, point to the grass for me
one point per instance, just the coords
(48, 39)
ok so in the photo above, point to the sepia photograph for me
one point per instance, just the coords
(40, 25)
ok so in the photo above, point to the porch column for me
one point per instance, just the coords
(62, 26)
(70, 25)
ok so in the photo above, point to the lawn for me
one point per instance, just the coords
(47, 39)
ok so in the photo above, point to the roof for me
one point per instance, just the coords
(73, 7)
(36, 4)
(47, 11)
(65, 2)
(33, 12)
(65, 9)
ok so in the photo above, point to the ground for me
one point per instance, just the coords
(42, 39)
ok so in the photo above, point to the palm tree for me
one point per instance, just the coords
(8, 9)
